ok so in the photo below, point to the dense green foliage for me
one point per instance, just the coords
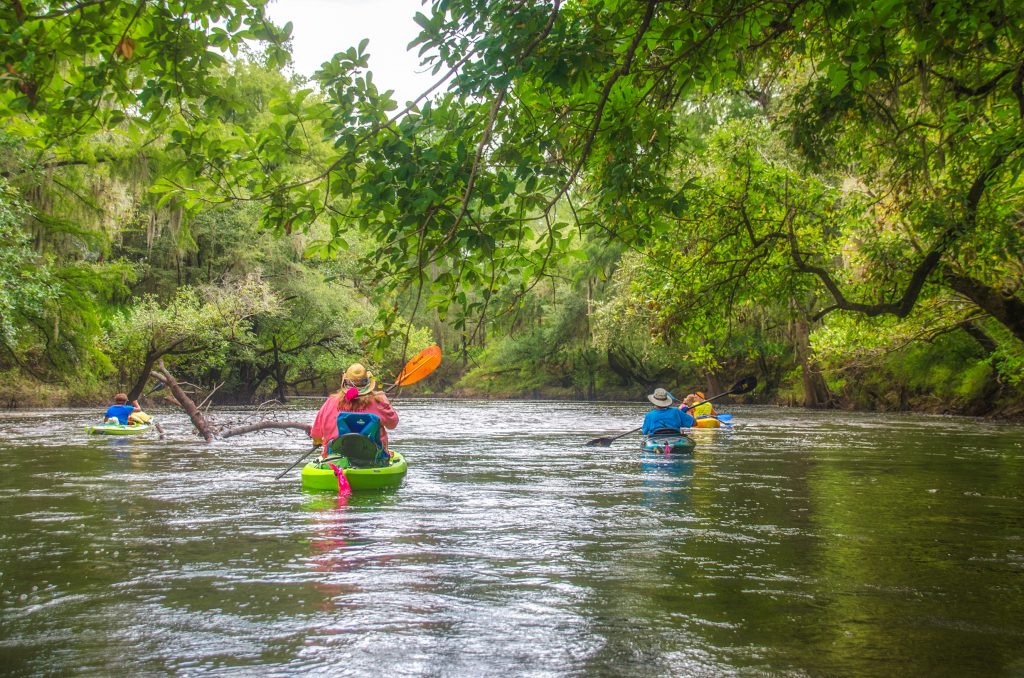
(603, 196)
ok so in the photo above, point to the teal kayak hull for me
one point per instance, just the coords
(670, 443)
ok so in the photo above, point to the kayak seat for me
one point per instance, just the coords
(358, 450)
(359, 440)
(666, 432)
(364, 423)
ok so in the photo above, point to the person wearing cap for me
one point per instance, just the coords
(119, 412)
(357, 394)
(664, 417)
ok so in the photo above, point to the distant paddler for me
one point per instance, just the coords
(123, 413)
(664, 417)
(698, 406)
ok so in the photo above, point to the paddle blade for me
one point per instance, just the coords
(724, 417)
(744, 385)
(423, 364)
(600, 442)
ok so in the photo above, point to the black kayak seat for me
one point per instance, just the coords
(665, 432)
(360, 451)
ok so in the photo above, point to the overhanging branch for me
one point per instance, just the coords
(905, 304)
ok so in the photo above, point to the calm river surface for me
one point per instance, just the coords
(797, 544)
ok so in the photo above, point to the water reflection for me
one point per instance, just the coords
(666, 479)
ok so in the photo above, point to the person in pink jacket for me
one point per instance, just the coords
(357, 394)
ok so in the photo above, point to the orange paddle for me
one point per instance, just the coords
(423, 364)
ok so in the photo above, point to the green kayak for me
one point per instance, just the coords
(668, 443)
(118, 429)
(318, 475)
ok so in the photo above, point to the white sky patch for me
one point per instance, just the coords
(322, 28)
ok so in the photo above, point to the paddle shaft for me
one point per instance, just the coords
(611, 440)
(297, 461)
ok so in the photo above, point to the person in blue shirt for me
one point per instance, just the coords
(119, 412)
(664, 417)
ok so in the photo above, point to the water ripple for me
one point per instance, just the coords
(795, 543)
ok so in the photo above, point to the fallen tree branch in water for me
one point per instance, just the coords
(198, 420)
(261, 425)
(210, 395)
(206, 428)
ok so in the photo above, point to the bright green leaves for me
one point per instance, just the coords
(204, 321)
(66, 67)
(26, 283)
(923, 123)
(570, 124)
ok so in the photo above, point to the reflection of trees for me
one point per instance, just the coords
(740, 581)
(666, 480)
(908, 563)
(709, 575)
(632, 605)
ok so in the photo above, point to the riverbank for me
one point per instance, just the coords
(21, 394)
(1009, 409)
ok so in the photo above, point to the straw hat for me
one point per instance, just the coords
(358, 378)
(660, 398)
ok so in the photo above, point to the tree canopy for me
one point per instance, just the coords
(722, 184)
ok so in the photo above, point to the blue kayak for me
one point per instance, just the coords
(668, 443)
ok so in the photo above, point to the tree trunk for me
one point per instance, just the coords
(714, 384)
(246, 387)
(1006, 308)
(987, 343)
(815, 390)
(147, 368)
(278, 376)
(198, 420)
(771, 382)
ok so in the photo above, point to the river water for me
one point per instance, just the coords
(796, 544)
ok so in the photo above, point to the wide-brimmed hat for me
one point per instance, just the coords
(660, 398)
(358, 378)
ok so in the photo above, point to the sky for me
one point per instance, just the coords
(321, 28)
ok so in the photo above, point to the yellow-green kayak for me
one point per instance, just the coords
(118, 429)
(318, 475)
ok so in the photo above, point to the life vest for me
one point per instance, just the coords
(702, 410)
